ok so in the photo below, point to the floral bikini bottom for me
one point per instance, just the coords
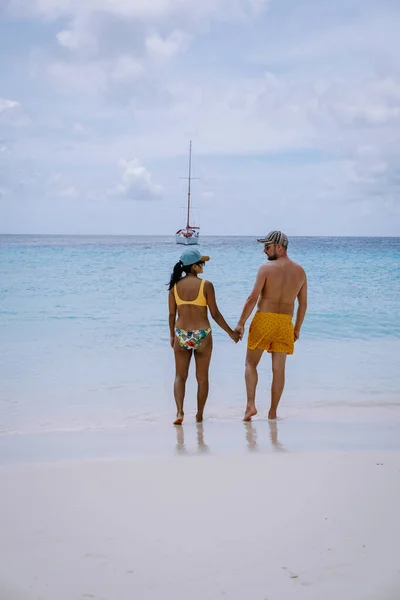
(191, 340)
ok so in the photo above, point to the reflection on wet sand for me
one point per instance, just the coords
(251, 436)
(180, 447)
(202, 448)
(256, 438)
(273, 434)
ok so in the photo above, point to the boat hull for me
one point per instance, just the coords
(187, 240)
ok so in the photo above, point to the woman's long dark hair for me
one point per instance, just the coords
(178, 272)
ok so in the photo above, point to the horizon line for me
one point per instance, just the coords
(203, 236)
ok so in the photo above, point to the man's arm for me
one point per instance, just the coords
(252, 299)
(301, 309)
(171, 317)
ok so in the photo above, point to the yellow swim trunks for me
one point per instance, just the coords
(272, 332)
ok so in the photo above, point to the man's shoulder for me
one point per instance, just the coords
(264, 268)
(297, 266)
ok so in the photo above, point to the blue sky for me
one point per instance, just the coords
(293, 109)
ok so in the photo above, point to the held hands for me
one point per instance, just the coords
(240, 331)
(172, 340)
(234, 335)
(296, 334)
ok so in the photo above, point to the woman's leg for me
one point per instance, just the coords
(202, 357)
(182, 362)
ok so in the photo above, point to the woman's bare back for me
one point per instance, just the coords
(191, 316)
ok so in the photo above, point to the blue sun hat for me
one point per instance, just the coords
(191, 257)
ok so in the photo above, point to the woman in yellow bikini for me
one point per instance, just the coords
(190, 333)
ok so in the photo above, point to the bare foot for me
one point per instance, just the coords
(272, 415)
(179, 419)
(250, 412)
(199, 418)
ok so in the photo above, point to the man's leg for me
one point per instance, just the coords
(182, 362)
(202, 357)
(252, 359)
(278, 381)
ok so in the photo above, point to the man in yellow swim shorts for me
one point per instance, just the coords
(279, 282)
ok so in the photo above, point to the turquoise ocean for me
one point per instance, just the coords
(84, 342)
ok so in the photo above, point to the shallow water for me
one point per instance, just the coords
(84, 331)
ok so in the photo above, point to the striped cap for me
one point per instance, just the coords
(275, 237)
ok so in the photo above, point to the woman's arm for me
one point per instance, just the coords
(214, 311)
(171, 317)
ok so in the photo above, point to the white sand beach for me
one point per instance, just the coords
(277, 526)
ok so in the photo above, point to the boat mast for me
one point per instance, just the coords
(190, 168)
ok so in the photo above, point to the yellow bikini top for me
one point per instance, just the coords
(199, 301)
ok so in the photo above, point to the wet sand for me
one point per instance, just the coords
(325, 430)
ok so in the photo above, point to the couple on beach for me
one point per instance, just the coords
(278, 283)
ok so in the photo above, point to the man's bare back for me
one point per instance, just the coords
(283, 281)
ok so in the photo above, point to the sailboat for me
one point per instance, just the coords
(189, 235)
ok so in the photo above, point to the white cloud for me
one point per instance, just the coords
(268, 114)
(84, 33)
(78, 37)
(79, 129)
(136, 182)
(372, 101)
(58, 185)
(68, 192)
(94, 77)
(77, 78)
(126, 68)
(166, 48)
(11, 113)
(135, 9)
(4, 148)
(6, 104)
